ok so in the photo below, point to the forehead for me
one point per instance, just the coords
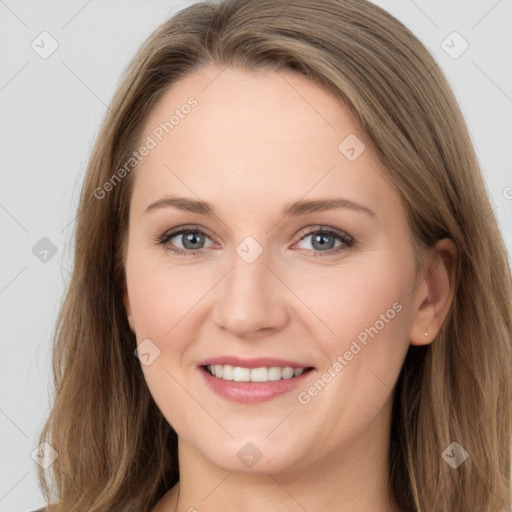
(239, 112)
(255, 136)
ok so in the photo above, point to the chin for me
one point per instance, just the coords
(257, 456)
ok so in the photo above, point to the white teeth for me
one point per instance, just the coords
(259, 375)
(287, 372)
(227, 372)
(239, 374)
(274, 373)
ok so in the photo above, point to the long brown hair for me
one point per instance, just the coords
(116, 450)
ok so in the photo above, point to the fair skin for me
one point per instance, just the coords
(256, 141)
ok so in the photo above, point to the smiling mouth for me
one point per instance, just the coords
(262, 374)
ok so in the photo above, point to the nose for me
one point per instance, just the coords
(251, 299)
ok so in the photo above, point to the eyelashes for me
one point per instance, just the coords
(318, 234)
(167, 236)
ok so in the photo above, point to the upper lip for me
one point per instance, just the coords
(257, 362)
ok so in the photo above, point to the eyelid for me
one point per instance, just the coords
(185, 227)
(309, 230)
(178, 230)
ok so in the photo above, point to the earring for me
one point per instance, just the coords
(130, 319)
(426, 334)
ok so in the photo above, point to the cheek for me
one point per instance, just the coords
(162, 299)
(161, 294)
(366, 309)
(353, 297)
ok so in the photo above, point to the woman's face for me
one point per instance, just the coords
(254, 277)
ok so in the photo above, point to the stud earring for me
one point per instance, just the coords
(426, 334)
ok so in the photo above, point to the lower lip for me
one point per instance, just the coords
(252, 392)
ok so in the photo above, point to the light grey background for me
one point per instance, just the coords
(50, 114)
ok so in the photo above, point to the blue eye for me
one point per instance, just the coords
(193, 239)
(326, 237)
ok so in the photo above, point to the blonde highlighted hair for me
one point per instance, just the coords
(116, 450)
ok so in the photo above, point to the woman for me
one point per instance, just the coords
(289, 291)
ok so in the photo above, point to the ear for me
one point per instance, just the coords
(435, 293)
(128, 308)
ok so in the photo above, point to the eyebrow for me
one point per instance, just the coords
(294, 209)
